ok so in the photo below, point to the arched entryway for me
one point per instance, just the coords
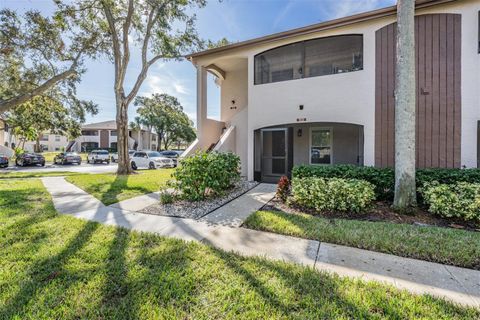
(279, 148)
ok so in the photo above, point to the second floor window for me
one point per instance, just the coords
(57, 138)
(44, 137)
(89, 133)
(310, 58)
(113, 133)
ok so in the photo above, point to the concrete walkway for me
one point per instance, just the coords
(456, 284)
(234, 213)
(138, 203)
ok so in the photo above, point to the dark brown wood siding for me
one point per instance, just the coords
(104, 139)
(438, 109)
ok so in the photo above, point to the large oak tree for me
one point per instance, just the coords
(152, 29)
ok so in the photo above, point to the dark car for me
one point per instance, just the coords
(3, 161)
(67, 157)
(170, 154)
(27, 159)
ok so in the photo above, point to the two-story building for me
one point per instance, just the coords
(103, 135)
(100, 135)
(324, 94)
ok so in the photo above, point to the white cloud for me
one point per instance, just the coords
(165, 83)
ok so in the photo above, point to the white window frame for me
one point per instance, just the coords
(310, 145)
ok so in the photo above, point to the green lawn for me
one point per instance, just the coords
(448, 246)
(110, 188)
(10, 175)
(58, 267)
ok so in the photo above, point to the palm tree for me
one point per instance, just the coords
(405, 188)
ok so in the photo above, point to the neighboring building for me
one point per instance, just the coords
(324, 94)
(5, 140)
(48, 142)
(103, 135)
(94, 136)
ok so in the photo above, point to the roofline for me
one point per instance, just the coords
(326, 25)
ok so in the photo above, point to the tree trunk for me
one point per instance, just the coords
(122, 137)
(405, 189)
(37, 145)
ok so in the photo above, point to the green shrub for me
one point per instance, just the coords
(384, 178)
(166, 197)
(333, 194)
(206, 174)
(460, 200)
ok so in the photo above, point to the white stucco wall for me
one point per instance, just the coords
(234, 87)
(347, 97)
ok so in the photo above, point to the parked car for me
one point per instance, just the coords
(98, 156)
(171, 154)
(67, 157)
(150, 160)
(114, 156)
(26, 159)
(3, 161)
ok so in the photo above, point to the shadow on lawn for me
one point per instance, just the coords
(147, 273)
(43, 271)
(118, 186)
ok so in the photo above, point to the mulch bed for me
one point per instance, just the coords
(198, 209)
(381, 211)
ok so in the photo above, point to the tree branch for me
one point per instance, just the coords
(126, 49)
(5, 105)
(116, 44)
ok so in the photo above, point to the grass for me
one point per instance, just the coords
(110, 188)
(11, 175)
(58, 267)
(448, 246)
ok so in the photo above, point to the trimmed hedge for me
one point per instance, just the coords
(460, 200)
(384, 178)
(334, 194)
(206, 174)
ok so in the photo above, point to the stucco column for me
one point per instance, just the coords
(201, 99)
(140, 144)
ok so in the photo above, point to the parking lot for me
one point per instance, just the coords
(82, 168)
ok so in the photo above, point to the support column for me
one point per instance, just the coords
(201, 99)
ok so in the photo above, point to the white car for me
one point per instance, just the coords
(114, 156)
(98, 156)
(150, 160)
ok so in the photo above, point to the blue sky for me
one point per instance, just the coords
(236, 20)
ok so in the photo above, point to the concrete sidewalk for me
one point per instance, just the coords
(456, 284)
(234, 213)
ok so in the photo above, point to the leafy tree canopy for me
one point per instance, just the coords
(42, 113)
(43, 55)
(165, 115)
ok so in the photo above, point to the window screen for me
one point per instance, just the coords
(310, 58)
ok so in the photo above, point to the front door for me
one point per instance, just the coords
(274, 153)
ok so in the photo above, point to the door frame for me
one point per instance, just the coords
(262, 171)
